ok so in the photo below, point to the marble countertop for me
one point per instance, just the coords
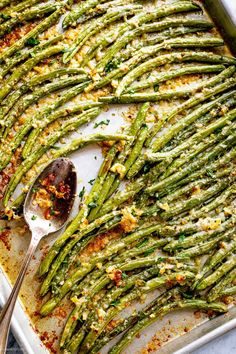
(225, 344)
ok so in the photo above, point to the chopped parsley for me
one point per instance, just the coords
(187, 295)
(102, 122)
(92, 205)
(52, 211)
(156, 87)
(150, 251)
(55, 147)
(209, 173)
(146, 167)
(115, 303)
(32, 42)
(124, 275)
(82, 193)
(91, 181)
(80, 319)
(34, 217)
(111, 65)
(4, 16)
(181, 238)
(142, 243)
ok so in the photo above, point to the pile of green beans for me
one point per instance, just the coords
(164, 194)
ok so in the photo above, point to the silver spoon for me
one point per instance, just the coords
(60, 172)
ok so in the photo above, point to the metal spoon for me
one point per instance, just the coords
(60, 170)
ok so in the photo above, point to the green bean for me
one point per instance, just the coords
(12, 98)
(169, 195)
(76, 238)
(193, 117)
(190, 168)
(142, 182)
(28, 14)
(229, 291)
(164, 35)
(197, 138)
(10, 63)
(124, 324)
(46, 111)
(112, 15)
(186, 70)
(194, 151)
(198, 237)
(28, 100)
(112, 312)
(41, 27)
(26, 67)
(113, 249)
(128, 36)
(161, 311)
(106, 40)
(110, 297)
(54, 116)
(175, 57)
(205, 195)
(72, 17)
(144, 97)
(21, 6)
(4, 3)
(218, 201)
(212, 167)
(217, 257)
(215, 292)
(218, 273)
(192, 102)
(146, 52)
(205, 247)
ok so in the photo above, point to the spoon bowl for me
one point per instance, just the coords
(46, 209)
(59, 173)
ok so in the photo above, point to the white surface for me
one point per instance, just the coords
(23, 332)
(225, 344)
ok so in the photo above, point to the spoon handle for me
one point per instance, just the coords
(6, 314)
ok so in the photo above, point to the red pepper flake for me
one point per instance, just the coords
(65, 189)
(210, 313)
(59, 312)
(16, 34)
(48, 180)
(227, 299)
(117, 277)
(47, 214)
(197, 314)
(48, 341)
(180, 278)
(5, 178)
(50, 212)
(4, 237)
